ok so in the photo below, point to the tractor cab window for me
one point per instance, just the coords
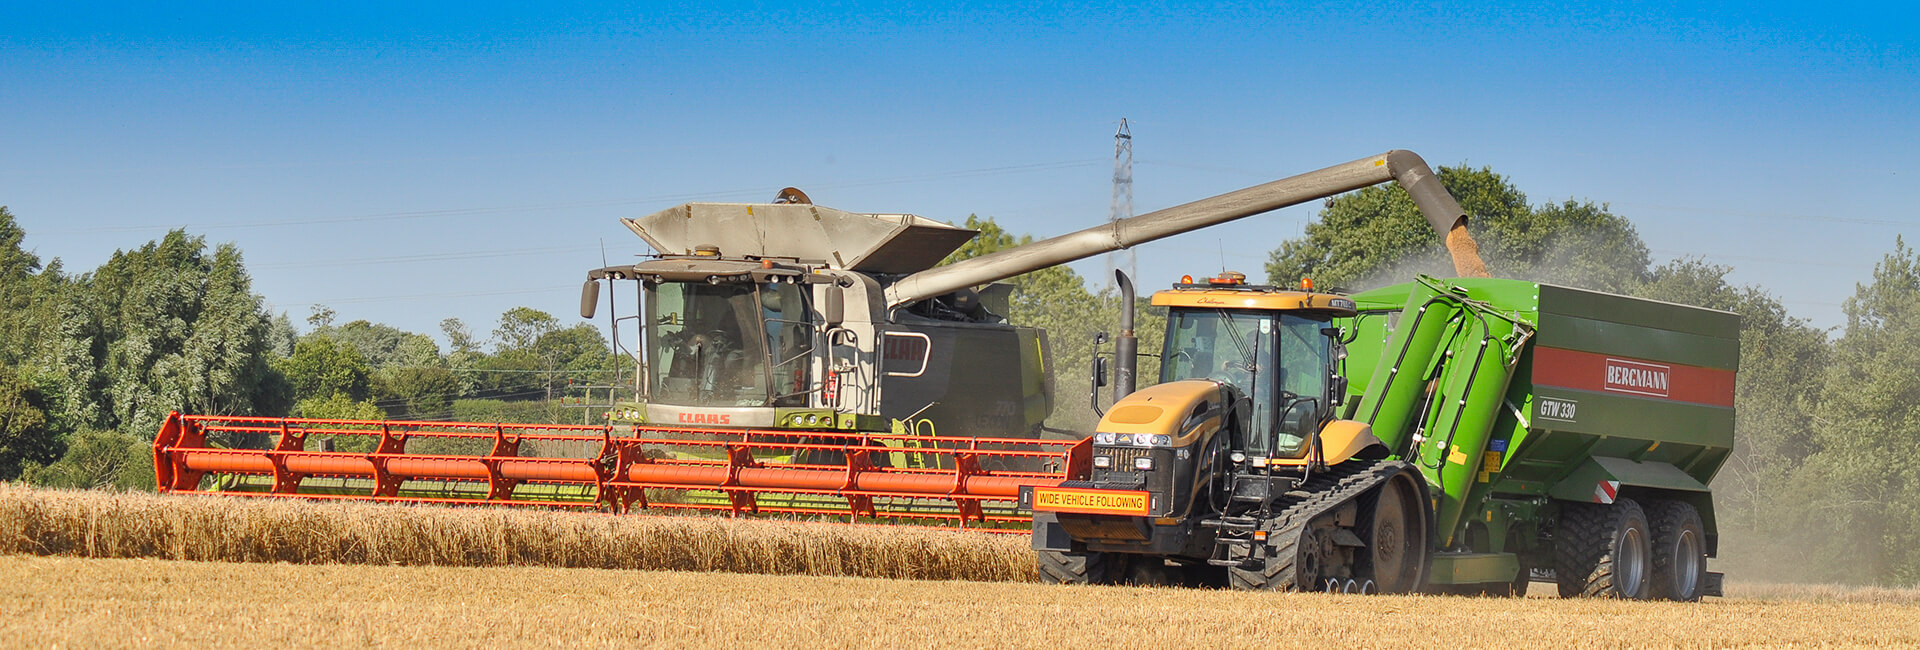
(1279, 360)
(728, 344)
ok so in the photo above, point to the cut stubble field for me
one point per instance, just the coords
(114, 603)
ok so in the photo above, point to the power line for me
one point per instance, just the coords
(427, 257)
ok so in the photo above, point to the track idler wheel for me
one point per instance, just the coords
(1394, 526)
(1080, 568)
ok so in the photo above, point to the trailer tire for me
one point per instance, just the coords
(1078, 568)
(1602, 551)
(1679, 551)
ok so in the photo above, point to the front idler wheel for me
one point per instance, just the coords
(1396, 530)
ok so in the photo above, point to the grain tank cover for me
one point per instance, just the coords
(870, 243)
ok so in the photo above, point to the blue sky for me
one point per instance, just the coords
(406, 163)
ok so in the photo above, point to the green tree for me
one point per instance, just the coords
(322, 367)
(170, 327)
(25, 434)
(420, 392)
(520, 327)
(384, 345)
(97, 460)
(1376, 235)
(337, 406)
(1864, 507)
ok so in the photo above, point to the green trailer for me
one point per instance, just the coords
(1541, 414)
(1464, 435)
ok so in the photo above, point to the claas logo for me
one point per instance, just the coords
(706, 418)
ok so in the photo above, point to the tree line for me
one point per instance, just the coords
(91, 363)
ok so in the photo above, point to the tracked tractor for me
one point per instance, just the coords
(1465, 435)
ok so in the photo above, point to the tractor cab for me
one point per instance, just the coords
(1276, 348)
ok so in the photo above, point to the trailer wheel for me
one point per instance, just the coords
(1081, 568)
(1602, 551)
(1679, 551)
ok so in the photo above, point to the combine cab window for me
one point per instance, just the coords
(1278, 360)
(729, 344)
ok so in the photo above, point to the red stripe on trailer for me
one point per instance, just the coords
(1602, 373)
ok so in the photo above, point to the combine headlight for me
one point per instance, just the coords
(1103, 462)
(1143, 463)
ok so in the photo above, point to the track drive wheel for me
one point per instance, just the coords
(1394, 526)
(1080, 568)
(1679, 551)
(1603, 551)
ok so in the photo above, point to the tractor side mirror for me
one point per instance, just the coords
(589, 299)
(1099, 372)
(1339, 389)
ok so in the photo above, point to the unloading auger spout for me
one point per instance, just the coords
(1404, 167)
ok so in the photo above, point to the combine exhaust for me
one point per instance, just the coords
(901, 478)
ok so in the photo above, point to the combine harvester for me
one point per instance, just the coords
(802, 360)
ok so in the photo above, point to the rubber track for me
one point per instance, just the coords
(1073, 568)
(1583, 549)
(1323, 492)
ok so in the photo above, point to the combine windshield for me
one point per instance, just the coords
(729, 344)
(1278, 360)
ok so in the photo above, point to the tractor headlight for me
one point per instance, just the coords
(1103, 462)
(1143, 463)
(1103, 438)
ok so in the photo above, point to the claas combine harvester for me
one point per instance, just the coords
(796, 359)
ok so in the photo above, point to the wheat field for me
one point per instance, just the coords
(102, 524)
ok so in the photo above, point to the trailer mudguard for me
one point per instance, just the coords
(1600, 479)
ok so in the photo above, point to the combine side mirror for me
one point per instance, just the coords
(833, 310)
(589, 299)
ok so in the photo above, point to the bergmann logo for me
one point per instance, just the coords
(1638, 378)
